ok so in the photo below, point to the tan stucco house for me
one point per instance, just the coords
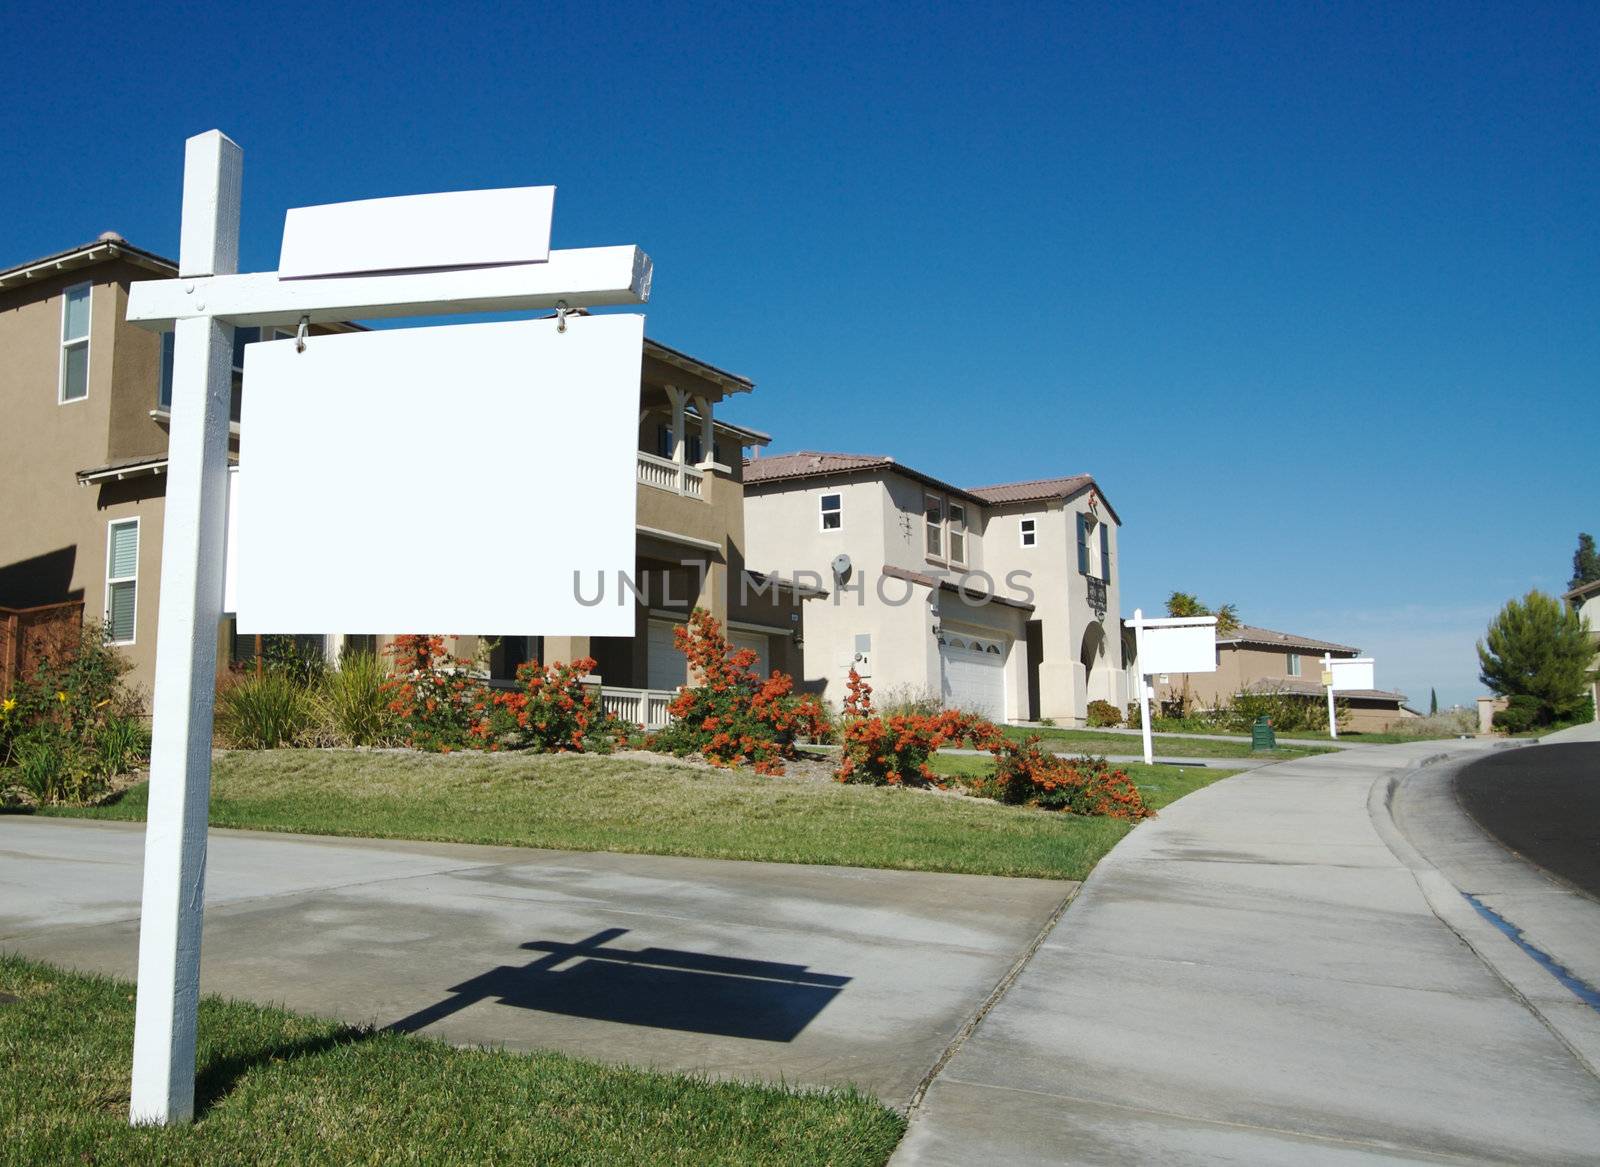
(1252, 659)
(1586, 599)
(998, 599)
(86, 396)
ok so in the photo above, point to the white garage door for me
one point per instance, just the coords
(665, 667)
(756, 642)
(973, 675)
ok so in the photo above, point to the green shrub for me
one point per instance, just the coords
(351, 706)
(1521, 714)
(262, 713)
(1289, 712)
(1135, 716)
(72, 727)
(1026, 774)
(1103, 713)
(553, 712)
(438, 702)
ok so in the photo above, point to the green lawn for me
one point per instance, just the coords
(1160, 785)
(589, 803)
(278, 1088)
(1091, 741)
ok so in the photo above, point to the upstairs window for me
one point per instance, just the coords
(1105, 551)
(663, 441)
(1028, 529)
(1294, 664)
(74, 344)
(1083, 544)
(164, 386)
(933, 509)
(122, 580)
(832, 512)
(958, 533)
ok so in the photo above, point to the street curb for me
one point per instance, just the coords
(1580, 1032)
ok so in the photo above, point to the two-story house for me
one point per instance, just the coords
(997, 599)
(86, 399)
(1261, 660)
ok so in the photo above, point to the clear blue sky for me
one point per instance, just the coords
(1311, 290)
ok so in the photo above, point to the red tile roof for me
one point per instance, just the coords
(1250, 634)
(1036, 490)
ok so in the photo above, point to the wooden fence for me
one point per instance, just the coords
(30, 636)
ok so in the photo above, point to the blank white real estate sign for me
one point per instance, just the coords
(450, 479)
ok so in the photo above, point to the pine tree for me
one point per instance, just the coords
(1585, 562)
(1537, 648)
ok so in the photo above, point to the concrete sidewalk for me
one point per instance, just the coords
(1256, 977)
(810, 975)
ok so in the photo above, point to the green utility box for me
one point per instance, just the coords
(1261, 735)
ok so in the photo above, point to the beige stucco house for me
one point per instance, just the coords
(999, 599)
(1263, 660)
(1586, 599)
(85, 397)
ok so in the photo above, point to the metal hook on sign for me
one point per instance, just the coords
(562, 309)
(300, 334)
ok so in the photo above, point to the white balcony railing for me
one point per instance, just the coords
(665, 474)
(643, 707)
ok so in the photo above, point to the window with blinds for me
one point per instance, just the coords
(75, 344)
(122, 580)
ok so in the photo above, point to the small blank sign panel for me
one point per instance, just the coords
(465, 228)
(1179, 648)
(1353, 673)
(440, 480)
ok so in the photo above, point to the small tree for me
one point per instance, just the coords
(1585, 562)
(1433, 702)
(1537, 648)
(1184, 604)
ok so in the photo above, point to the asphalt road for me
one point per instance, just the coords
(1543, 803)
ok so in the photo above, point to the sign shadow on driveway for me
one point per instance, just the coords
(662, 988)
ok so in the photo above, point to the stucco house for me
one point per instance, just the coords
(998, 599)
(1586, 599)
(1264, 660)
(86, 401)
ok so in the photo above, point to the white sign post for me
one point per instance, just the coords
(1177, 644)
(1341, 674)
(202, 306)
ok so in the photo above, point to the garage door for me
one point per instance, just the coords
(757, 643)
(665, 666)
(973, 675)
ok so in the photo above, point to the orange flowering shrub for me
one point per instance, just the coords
(894, 751)
(730, 715)
(439, 703)
(552, 712)
(1027, 774)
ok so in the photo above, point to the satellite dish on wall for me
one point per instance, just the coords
(841, 567)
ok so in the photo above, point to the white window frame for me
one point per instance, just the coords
(933, 529)
(1027, 532)
(74, 342)
(955, 531)
(138, 540)
(823, 511)
(1294, 664)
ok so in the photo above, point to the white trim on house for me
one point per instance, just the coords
(837, 511)
(674, 537)
(75, 342)
(1027, 532)
(113, 580)
(768, 629)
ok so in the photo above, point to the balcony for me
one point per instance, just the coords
(673, 477)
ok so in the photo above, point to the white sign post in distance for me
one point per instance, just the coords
(439, 264)
(1342, 675)
(1174, 644)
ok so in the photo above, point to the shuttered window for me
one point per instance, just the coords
(1083, 545)
(1105, 552)
(122, 580)
(75, 344)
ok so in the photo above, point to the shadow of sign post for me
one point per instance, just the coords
(662, 988)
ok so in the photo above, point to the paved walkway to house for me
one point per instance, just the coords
(1270, 972)
(815, 975)
(1589, 731)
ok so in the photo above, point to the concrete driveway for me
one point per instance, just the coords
(812, 975)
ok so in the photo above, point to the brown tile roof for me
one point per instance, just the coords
(1034, 491)
(1250, 634)
(1583, 591)
(818, 464)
